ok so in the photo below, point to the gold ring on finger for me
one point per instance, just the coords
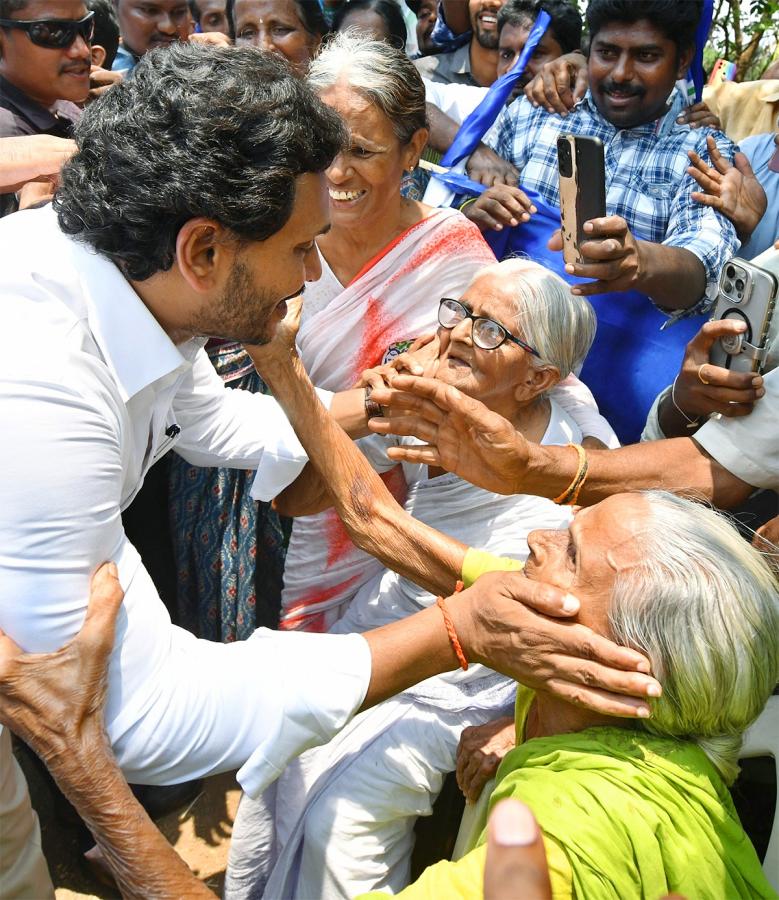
(700, 374)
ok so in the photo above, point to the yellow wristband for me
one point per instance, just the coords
(477, 562)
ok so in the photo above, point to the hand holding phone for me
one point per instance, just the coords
(582, 190)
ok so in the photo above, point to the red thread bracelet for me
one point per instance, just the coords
(453, 639)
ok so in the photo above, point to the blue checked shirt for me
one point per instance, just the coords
(646, 179)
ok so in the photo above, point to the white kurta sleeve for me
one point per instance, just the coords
(237, 429)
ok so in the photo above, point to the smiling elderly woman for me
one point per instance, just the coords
(385, 262)
(507, 341)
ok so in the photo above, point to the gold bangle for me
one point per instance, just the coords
(572, 491)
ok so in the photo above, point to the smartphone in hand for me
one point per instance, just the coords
(582, 189)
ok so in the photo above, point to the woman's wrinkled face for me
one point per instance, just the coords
(584, 560)
(275, 26)
(492, 376)
(364, 180)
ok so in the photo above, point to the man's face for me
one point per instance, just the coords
(265, 274)
(426, 19)
(213, 16)
(511, 43)
(484, 21)
(46, 74)
(632, 70)
(145, 24)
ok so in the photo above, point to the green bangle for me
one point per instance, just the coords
(469, 200)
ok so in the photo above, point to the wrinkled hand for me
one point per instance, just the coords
(54, 701)
(480, 752)
(505, 622)
(731, 189)
(515, 867)
(420, 355)
(615, 254)
(766, 537)
(461, 434)
(699, 116)
(499, 206)
(100, 80)
(727, 392)
(560, 84)
(486, 167)
(215, 38)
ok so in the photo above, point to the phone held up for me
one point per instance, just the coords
(582, 190)
(747, 291)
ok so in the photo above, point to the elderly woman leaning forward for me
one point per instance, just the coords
(623, 806)
(507, 341)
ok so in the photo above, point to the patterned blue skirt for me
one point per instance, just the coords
(228, 548)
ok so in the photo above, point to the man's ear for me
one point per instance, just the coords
(203, 253)
(685, 58)
(98, 55)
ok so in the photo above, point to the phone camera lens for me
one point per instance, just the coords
(740, 285)
(730, 272)
(727, 287)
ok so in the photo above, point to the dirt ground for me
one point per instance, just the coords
(200, 833)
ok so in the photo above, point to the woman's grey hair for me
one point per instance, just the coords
(703, 605)
(385, 76)
(558, 324)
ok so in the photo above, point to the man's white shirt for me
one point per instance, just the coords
(90, 387)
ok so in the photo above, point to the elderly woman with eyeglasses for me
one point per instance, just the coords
(345, 814)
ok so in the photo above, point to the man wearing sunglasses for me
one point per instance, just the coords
(44, 65)
(44, 69)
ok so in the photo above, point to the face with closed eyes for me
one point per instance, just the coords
(585, 559)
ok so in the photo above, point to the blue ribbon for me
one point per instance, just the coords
(475, 126)
(701, 37)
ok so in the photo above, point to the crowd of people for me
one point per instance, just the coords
(439, 503)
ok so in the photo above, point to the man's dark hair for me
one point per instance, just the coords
(309, 12)
(387, 10)
(220, 132)
(106, 28)
(677, 19)
(566, 24)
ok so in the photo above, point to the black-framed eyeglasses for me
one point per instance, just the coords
(55, 34)
(487, 334)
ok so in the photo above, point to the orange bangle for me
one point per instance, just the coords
(453, 639)
(571, 493)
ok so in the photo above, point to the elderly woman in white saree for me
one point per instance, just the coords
(345, 813)
(385, 262)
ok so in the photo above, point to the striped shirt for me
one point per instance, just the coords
(646, 179)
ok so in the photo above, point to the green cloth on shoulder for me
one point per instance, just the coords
(636, 815)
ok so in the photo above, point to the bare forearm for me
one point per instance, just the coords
(672, 276)
(142, 861)
(442, 128)
(678, 465)
(374, 520)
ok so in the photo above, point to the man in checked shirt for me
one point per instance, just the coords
(655, 239)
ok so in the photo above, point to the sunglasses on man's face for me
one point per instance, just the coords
(55, 34)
